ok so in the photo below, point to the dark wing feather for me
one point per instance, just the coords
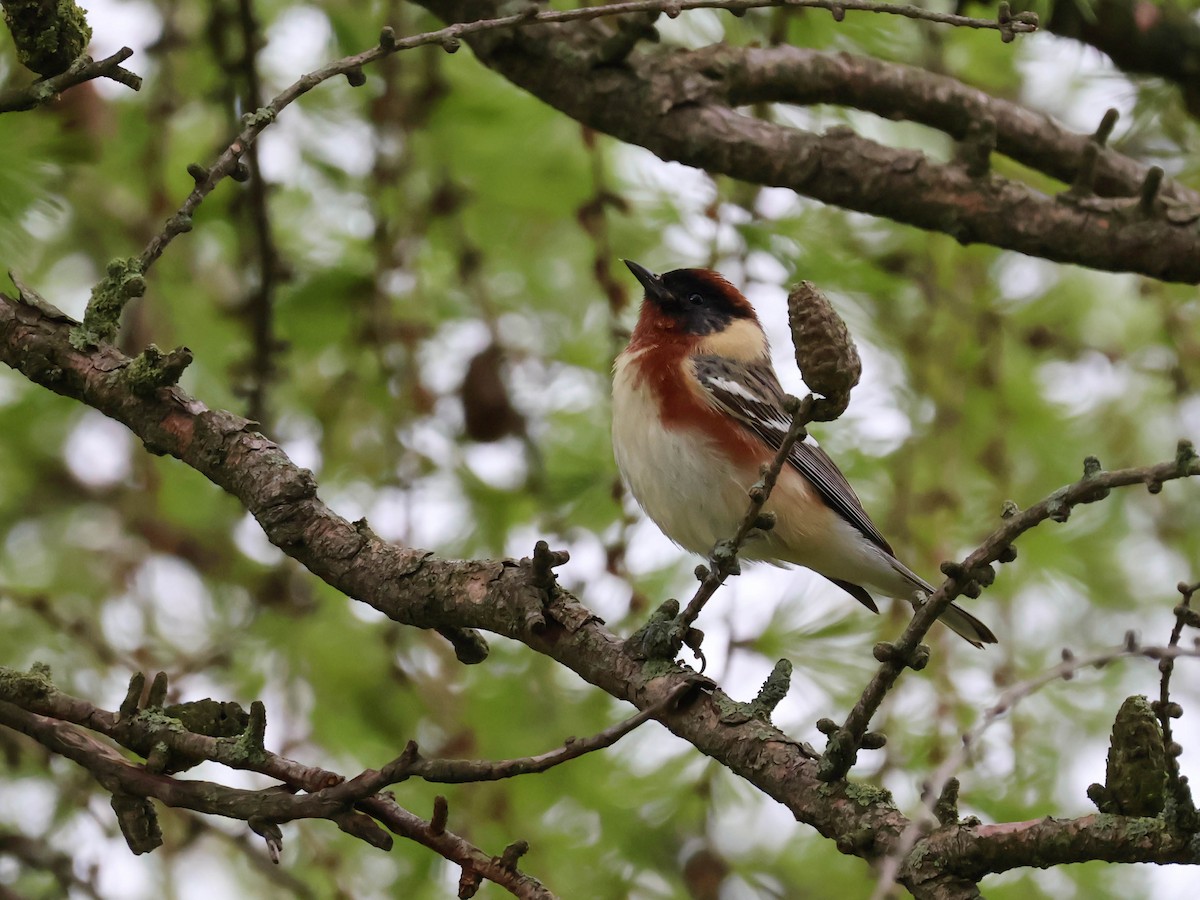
(858, 592)
(750, 393)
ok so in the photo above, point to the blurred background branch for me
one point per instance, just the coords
(414, 302)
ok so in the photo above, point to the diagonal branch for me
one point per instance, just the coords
(681, 108)
(412, 587)
(830, 365)
(83, 69)
(724, 557)
(975, 572)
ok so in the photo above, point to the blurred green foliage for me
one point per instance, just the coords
(436, 211)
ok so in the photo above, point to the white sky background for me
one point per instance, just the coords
(99, 451)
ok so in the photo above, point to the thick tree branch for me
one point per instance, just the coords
(410, 585)
(679, 105)
(983, 849)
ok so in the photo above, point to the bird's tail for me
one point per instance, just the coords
(967, 626)
(958, 619)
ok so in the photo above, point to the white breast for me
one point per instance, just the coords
(696, 496)
(692, 493)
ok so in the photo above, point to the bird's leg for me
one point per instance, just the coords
(665, 634)
(668, 630)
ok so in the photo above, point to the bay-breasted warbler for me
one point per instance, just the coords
(698, 410)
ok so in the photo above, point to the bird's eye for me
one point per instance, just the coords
(696, 300)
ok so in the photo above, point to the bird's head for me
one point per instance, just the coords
(695, 302)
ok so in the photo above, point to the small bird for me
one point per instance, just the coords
(697, 410)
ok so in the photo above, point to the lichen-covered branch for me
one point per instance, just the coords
(409, 584)
(30, 704)
(508, 597)
(230, 163)
(902, 855)
(974, 574)
(49, 36)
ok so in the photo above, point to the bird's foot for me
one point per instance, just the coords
(665, 634)
(724, 558)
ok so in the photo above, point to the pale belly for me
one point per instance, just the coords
(696, 496)
(683, 487)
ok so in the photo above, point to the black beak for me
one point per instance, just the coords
(655, 289)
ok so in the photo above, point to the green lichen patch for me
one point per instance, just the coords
(122, 283)
(48, 36)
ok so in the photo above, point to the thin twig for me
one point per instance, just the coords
(459, 771)
(891, 865)
(975, 573)
(260, 305)
(57, 719)
(1166, 710)
(450, 36)
(455, 848)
